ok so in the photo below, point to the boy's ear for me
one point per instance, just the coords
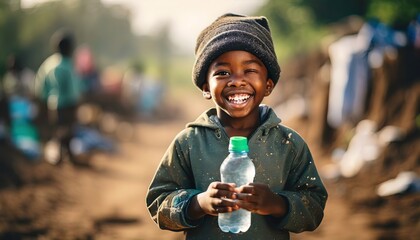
(269, 87)
(206, 91)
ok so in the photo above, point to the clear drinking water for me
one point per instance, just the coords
(236, 168)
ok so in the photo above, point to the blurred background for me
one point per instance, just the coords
(350, 85)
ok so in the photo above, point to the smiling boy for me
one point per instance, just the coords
(236, 66)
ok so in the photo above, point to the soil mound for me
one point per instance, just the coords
(392, 100)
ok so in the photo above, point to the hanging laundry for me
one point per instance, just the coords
(351, 59)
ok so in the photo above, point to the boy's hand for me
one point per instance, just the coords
(258, 198)
(218, 198)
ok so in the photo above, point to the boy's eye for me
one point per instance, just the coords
(221, 73)
(251, 70)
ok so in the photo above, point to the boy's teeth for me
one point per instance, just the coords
(238, 98)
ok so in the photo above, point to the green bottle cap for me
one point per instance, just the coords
(238, 144)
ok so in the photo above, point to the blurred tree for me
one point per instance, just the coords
(106, 29)
(388, 11)
(298, 24)
(396, 13)
(328, 11)
(10, 18)
(164, 52)
(293, 25)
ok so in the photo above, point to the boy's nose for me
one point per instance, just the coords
(237, 80)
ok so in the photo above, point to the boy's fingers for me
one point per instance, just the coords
(246, 189)
(226, 194)
(224, 186)
(246, 205)
(225, 209)
(214, 184)
(244, 196)
(228, 201)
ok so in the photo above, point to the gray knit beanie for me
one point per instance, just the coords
(232, 32)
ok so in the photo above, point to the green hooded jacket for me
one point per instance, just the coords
(192, 161)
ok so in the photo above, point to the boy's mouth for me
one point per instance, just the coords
(239, 98)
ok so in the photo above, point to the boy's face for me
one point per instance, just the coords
(237, 82)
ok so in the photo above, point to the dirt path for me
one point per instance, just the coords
(107, 200)
(115, 193)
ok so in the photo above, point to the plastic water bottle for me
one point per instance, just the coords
(236, 168)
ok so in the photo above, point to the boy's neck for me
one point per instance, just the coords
(244, 132)
(240, 126)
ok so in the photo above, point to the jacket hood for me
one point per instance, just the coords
(209, 119)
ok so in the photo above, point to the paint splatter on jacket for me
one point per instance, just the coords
(282, 160)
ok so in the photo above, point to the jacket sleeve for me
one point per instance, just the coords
(305, 194)
(171, 190)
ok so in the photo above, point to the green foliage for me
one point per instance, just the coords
(393, 12)
(27, 32)
(293, 27)
(329, 11)
(9, 25)
(298, 25)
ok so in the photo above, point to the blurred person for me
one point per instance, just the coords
(60, 90)
(40, 95)
(236, 66)
(150, 97)
(18, 81)
(132, 84)
(47, 66)
(20, 109)
(140, 92)
(86, 69)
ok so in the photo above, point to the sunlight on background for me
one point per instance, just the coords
(186, 18)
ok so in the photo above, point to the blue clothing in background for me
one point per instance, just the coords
(352, 57)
